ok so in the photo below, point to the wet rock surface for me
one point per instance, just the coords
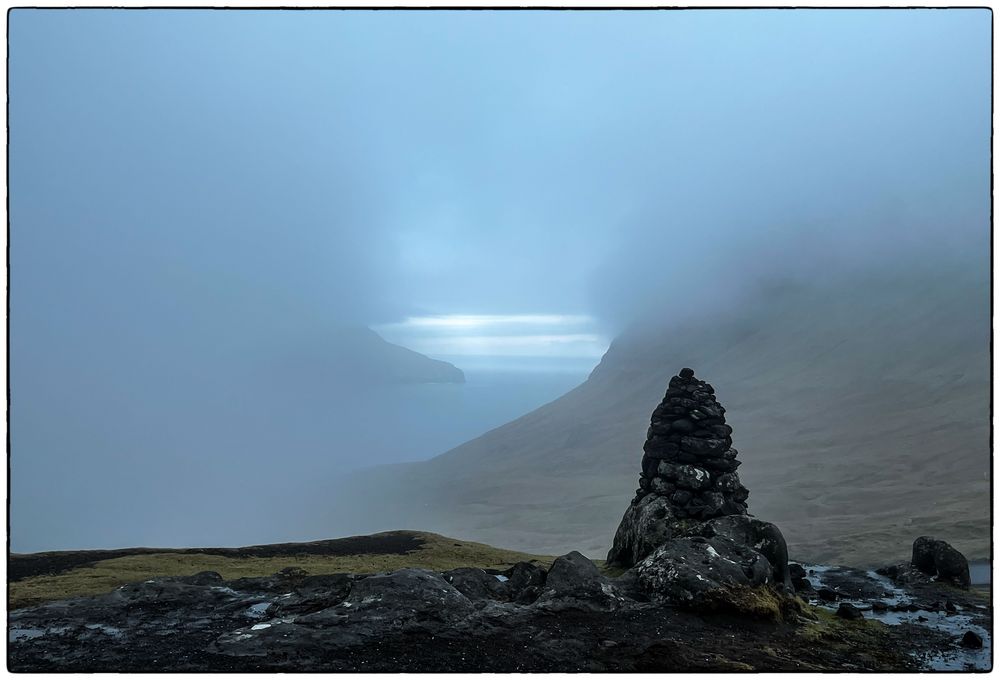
(570, 617)
(686, 570)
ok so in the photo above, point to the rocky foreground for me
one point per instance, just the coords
(692, 582)
(569, 617)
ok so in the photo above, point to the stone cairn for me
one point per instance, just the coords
(689, 458)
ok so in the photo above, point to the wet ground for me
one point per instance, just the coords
(926, 610)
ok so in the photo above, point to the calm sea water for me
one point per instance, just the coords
(207, 466)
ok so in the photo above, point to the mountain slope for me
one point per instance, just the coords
(861, 412)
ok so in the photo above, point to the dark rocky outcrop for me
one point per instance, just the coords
(569, 617)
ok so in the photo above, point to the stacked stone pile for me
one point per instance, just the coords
(688, 456)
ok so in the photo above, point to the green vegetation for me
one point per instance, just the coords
(438, 553)
(759, 602)
(837, 633)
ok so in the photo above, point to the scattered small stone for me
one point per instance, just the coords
(971, 640)
(828, 595)
(849, 611)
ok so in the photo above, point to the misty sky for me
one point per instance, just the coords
(199, 168)
(194, 191)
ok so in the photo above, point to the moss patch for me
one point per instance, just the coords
(759, 603)
(438, 553)
(864, 641)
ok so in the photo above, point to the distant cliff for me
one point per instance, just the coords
(362, 354)
(351, 357)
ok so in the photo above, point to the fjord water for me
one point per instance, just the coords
(225, 462)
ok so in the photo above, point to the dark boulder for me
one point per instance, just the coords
(827, 595)
(849, 611)
(524, 582)
(574, 582)
(971, 640)
(570, 573)
(476, 584)
(408, 592)
(763, 537)
(685, 570)
(935, 557)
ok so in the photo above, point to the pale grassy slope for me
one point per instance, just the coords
(861, 413)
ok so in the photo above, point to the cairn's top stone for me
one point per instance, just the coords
(688, 455)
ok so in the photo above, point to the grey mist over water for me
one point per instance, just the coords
(245, 467)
